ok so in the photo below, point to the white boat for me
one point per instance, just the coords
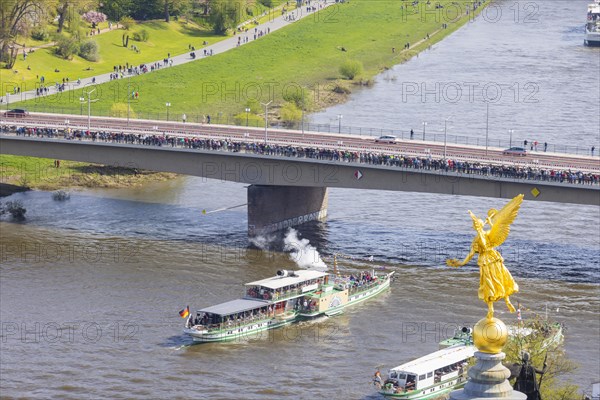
(446, 369)
(596, 391)
(433, 375)
(592, 26)
(343, 292)
(280, 300)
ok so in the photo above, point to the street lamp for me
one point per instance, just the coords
(167, 105)
(81, 100)
(7, 100)
(128, 98)
(266, 118)
(340, 123)
(445, 133)
(247, 111)
(424, 125)
(487, 127)
(510, 132)
(90, 107)
(302, 123)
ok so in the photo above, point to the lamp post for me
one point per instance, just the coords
(167, 105)
(424, 125)
(340, 116)
(510, 132)
(90, 107)
(247, 111)
(302, 123)
(266, 119)
(487, 125)
(81, 100)
(7, 100)
(128, 98)
(445, 133)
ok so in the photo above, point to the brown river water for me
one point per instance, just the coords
(90, 291)
(90, 288)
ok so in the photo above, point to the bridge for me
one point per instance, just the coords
(288, 182)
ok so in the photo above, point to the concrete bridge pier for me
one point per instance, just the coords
(274, 208)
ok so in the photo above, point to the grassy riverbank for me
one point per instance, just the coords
(308, 53)
(42, 174)
(173, 38)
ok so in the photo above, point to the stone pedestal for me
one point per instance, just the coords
(488, 380)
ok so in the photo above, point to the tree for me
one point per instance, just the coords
(94, 17)
(16, 16)
(224, 15)
(301, 97)
(66, 47)
(89, 50)
(119, 110)
(63, 9)
(116, 9)
(290, 114)
(543, 350)
(66, 10)
(350, 69)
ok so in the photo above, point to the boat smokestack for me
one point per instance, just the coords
(283, 273)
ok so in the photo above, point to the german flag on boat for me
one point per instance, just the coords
(185, 312)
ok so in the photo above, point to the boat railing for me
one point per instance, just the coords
(236, 324)
(364, 287)
(277, 296)
(287, 294)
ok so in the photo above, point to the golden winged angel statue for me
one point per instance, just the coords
(495, 281)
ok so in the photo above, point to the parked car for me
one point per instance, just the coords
(515, 151)
(386, 139)
(16, 113)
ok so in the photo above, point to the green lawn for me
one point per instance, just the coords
(41, 173)
(173, 38)
(307, 53)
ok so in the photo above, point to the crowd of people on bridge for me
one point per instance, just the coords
(398, 160)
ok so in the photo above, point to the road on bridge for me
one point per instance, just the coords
(343, 142)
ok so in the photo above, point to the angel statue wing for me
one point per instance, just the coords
(501, 220)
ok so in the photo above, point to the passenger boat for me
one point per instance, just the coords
(527, 331)
(446, 369)
(434, 374)
(280, 300)
(592, 26)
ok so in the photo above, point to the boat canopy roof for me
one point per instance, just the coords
(277, 282)
(235, 306)
(438, 359)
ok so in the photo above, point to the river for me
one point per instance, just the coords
(90, 288)
(525, 59)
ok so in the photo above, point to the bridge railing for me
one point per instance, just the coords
(526, 172)
(225, 132)
(231, 119)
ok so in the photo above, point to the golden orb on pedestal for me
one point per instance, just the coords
(490, 335)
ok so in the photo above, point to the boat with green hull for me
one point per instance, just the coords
(288, 297)
(433, 375)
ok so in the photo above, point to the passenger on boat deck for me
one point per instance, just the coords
(377, 379)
